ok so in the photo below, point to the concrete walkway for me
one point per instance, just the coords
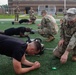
(13, 19)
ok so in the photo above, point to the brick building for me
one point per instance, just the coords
(25, 5)
(2, 10)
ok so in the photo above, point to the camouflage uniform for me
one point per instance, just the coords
(16, 11)
(32, 15)
(47, 27)
(68, 33)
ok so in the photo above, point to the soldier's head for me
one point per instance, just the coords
(28, 29)
(44, 12)
(71, 14)
(34, 48)
(31, 8)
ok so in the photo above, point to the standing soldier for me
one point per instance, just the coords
(32, 15)
(48, 27)
(16, 11)
(67, 42)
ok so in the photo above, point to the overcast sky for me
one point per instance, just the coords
(3, 2)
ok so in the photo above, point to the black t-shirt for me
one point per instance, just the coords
(12, 47)
(15, 31)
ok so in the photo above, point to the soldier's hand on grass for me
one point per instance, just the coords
(64, 58)
(61, 42)
(36, 65)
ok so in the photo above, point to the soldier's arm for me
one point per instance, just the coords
(43, 23)
(72, 43)
(33, 11)
(23, 35)
(20, 70)
(54, 26)
(62, 34)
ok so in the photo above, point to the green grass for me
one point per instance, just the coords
(11, 16)
(47, 60)
(4, 16)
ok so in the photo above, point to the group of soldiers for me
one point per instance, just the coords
(47, 28)
(31, 14)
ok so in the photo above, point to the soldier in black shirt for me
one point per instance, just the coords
(17, 31)
(16, 48)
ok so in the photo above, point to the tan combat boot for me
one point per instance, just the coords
(51, 38)
(74, 57)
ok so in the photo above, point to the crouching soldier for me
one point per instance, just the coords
(67, 42)
(32, 15)
(48, 27)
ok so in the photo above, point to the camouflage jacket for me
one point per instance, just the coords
(33, 17)
(72, 42)
(68, 33)
(67, 29)
(17, 10)
(50, 23)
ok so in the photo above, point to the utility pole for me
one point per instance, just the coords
(64, 6)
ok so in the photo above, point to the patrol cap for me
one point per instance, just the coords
(71, 11)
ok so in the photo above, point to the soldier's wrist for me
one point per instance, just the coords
(68, 50)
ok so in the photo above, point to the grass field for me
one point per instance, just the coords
(11, 16)
(47, 60)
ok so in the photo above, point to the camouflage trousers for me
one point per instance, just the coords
(69, 43)
(45, 32)
(16, 17)
(32, 18)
